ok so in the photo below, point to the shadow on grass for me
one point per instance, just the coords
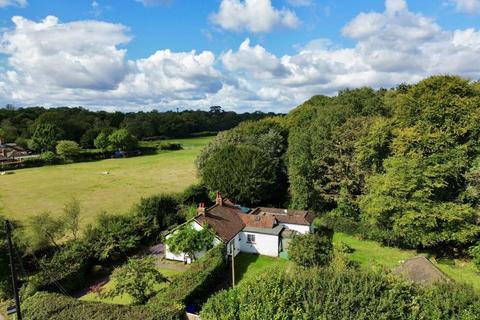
(242, 262)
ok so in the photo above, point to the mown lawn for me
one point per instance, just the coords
(251, 265)
(30, 191)
(125, 298)
(372, 254)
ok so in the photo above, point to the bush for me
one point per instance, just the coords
(51, 306)
(159, 213)
(49, 157)
(475, 254)
(311, 250)
(194, 285)
(68, 149)
(328, 293)
(170, 146)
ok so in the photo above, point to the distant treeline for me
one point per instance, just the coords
(83, 126)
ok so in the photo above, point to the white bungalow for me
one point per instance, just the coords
(258, 231)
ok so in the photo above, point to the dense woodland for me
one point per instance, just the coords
(83, 126)
(400, 166)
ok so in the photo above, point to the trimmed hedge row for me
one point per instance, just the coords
(194, 286)
(52, 306)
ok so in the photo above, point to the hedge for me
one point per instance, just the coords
(195, 285)
(340, 293)
(52, 306)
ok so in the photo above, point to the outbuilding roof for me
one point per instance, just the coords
(288, 216)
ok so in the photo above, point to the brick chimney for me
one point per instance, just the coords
(201, 208)
(219, 199)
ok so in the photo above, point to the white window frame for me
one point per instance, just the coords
(250, 238)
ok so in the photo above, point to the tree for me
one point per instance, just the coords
(188, 240)
(475, 253)
(68, 149)
(101, 141)
(138, 277)
(159, 211)
(71, 217)
(44, 137)
(44, 230)
(312, 249)
(242, 173)
(121, 139)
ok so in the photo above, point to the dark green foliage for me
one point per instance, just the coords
(242, 173)
(159, 213)
(247, 163)
(101, 141)
(188, 240)
(68, 149)
(475, 254)
(49, 157)
(397, 166)
(311, 250)
(114, 236)
(83, 126)
(195, 194)
(170, 146)
(123, 140)
(331, 293)
(44, 137)
(5, 287)
(196, 284)
(51, 306)
(138, 278)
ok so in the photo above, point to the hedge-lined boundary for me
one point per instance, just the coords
(194, 286)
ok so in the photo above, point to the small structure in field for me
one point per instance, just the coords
(421, 271)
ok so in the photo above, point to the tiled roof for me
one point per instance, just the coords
(224, 219)
(289, 216)
(258, 221)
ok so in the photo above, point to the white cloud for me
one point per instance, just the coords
(83, 63)
(468, 6)
(18, 3)
(253, 15)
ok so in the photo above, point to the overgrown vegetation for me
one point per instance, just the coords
(312, 249)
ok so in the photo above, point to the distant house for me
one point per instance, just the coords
(11, 152)
(257, 231)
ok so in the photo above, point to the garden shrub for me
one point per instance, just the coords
(475, 254)
(51, 306)
(159, 212)
(340, 293)
(313, 249)
(170, 146)
(194, 285)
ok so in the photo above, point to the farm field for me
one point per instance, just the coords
(30, 191)
(372, 254)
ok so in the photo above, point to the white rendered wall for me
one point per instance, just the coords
(181, 256)
(264, 244)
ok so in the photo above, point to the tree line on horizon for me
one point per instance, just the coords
(22, 125)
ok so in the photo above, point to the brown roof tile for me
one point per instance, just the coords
(258, 221)
(223, 219)
(292, 216)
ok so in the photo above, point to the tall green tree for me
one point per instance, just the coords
(44, 137)
(123, 140)
(188, 240)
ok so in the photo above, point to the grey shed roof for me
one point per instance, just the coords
(420, 270)
(273, 231)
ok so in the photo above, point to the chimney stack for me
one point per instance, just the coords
(219, 199)
(201, 208)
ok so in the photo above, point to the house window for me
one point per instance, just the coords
(250, 238)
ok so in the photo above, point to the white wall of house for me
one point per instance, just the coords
(236, 243)
(297, 227)
(264, 244)
(181, 256)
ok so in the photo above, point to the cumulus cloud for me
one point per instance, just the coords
(83, 63)
(468, 6)
(253, 15)
(18, 3)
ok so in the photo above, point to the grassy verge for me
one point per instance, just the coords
(372, 254)
(30, 191)
(248, 266)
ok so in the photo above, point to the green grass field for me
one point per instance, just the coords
(248, 266)
(30, 191)
(372, 254)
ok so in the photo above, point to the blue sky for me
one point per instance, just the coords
(244, 54)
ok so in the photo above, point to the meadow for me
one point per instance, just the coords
(31, 191)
